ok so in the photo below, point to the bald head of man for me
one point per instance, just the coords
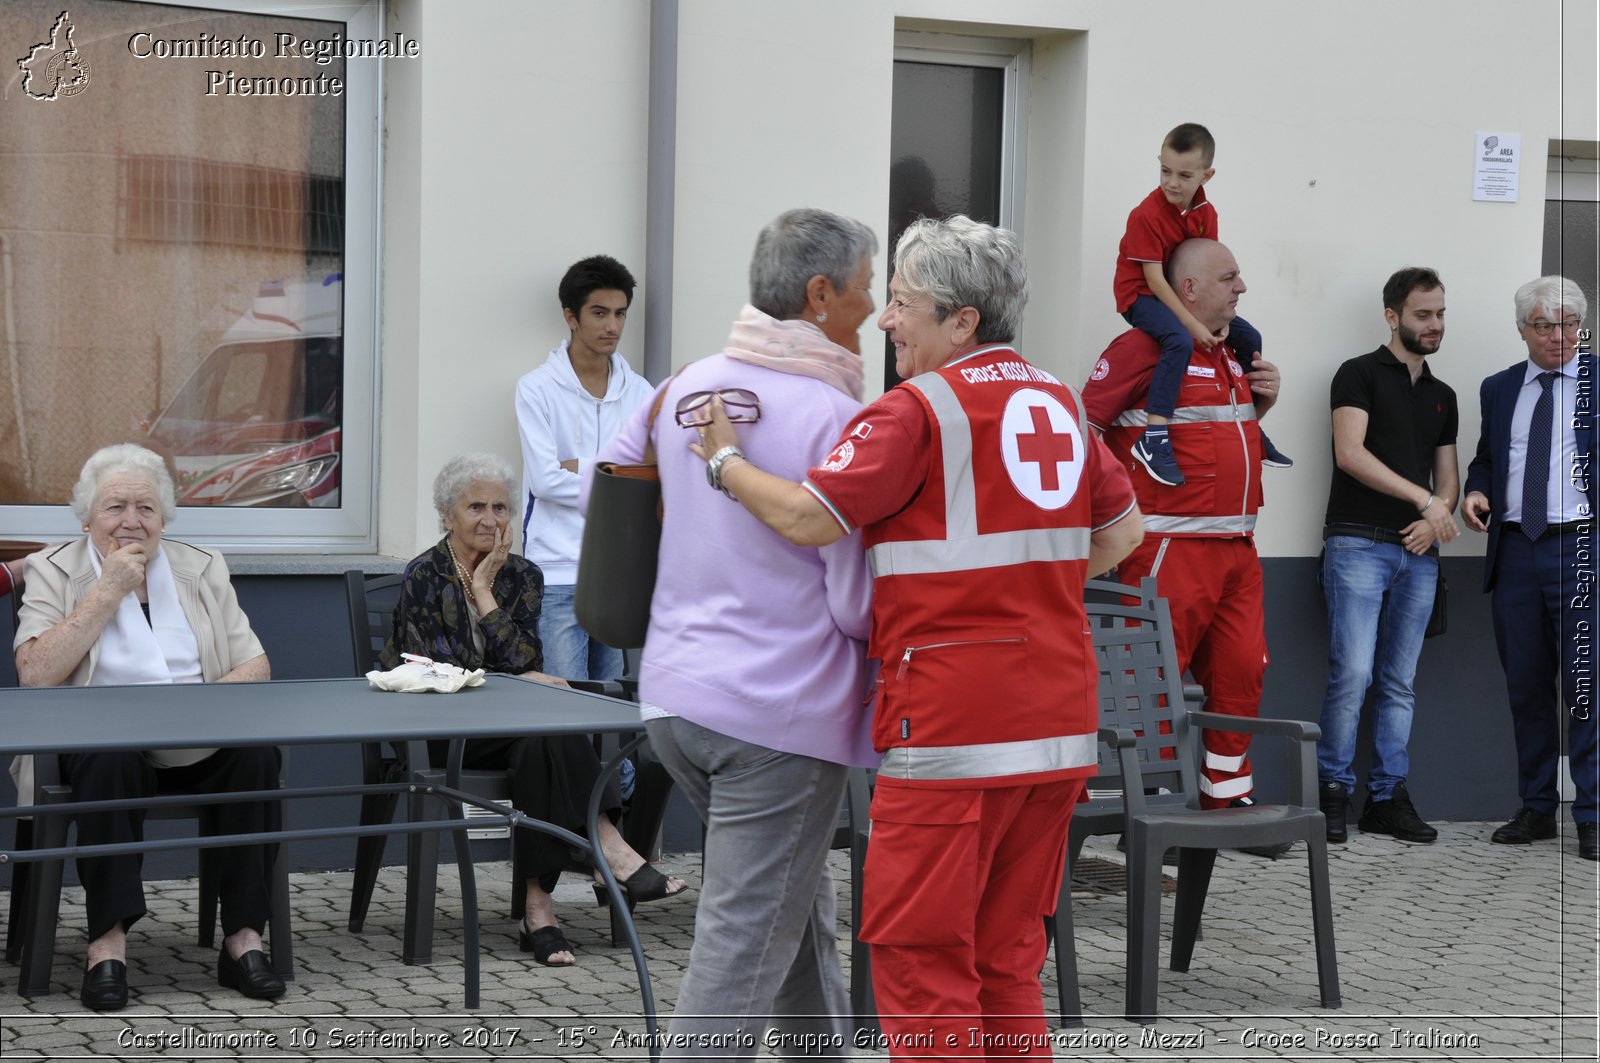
(1206, 279)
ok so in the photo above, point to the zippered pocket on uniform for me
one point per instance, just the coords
(948, 681)
(905, 659)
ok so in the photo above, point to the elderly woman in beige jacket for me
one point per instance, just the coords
(122, 605)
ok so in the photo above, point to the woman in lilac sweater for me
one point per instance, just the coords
(754, 681)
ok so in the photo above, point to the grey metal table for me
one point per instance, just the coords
(312, 712)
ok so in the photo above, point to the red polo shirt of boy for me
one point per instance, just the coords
(1155, 227)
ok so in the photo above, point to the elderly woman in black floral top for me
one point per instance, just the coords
(471, 602)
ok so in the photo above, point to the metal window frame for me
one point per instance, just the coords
(1573, 178)
(1015, 57)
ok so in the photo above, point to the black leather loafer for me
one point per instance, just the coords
(1526, 826)
(1589, 841)
(105, 986)
(250, 974)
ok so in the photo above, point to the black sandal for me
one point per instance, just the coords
(648, 884)
(545, 943)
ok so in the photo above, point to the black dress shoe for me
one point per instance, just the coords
(250, 974)
(1526, 826)
(105, 986)
(1589, 841)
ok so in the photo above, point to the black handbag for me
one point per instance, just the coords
(621, 545)
(1439, 619)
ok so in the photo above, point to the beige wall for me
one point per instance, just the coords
(1344, 136)
(514, 148)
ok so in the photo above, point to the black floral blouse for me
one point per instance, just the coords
(431, 617)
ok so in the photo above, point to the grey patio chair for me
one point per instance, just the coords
(1150, 740)
(371, 604)
(36, 888)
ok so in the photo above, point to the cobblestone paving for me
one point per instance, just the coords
(1460, 950)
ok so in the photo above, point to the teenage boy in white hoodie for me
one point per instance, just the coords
(567, 409)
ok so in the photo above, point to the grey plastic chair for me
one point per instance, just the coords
(857, 812)
(1149, 741)
(36, 895)
(1103, 814)
(36, 888)
(371, 603)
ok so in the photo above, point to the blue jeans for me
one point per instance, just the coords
(1379, 600)
(1151, 316)
(569, 652)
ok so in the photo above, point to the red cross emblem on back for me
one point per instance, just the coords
(1045, 447)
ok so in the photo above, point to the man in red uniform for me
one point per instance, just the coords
(984, 503)
(1201, 547)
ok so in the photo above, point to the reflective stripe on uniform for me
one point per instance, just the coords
(990, 759)
(955, 432)
(1161, 555)
(1191, 415)
(1218, 762)
(1236, 524)
(991, 550)
(963, 548)
(1227, 787)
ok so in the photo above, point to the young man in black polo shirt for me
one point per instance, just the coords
(1395, 485)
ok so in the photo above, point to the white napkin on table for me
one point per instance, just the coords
(419, 675)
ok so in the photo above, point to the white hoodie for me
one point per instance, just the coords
(559, 420)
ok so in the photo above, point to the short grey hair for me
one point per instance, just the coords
(798, 245)
(464, 470)
(959, 262)
(123, 459)
(1552, 294)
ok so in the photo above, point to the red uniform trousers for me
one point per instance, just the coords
(1215, 591)
(958, 882)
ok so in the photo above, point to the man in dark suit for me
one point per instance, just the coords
(1532, 488)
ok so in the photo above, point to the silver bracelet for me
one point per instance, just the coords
(1424, 507)
(715, 464)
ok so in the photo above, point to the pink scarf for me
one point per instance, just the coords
(793, 347)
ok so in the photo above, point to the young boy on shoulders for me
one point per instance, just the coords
(1176, 211)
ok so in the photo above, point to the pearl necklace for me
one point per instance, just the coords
(461, 571)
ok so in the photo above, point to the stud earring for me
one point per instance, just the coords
(822, 317)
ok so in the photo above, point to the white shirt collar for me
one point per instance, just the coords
(1534, 372)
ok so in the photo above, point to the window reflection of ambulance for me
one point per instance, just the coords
(258, 423)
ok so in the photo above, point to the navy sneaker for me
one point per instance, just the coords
(1272, 457)
(1154, 452)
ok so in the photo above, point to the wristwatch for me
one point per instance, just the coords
(714, 466)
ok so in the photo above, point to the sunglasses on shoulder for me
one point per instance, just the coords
(741, 405)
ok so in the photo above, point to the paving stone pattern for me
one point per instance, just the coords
(1459, 950)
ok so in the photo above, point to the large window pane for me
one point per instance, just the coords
(945, 142)
(1572, 246)
(174, 254)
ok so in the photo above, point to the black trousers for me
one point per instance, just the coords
(551, 779)
(113, 885)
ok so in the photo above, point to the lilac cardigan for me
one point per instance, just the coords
(749, 635)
